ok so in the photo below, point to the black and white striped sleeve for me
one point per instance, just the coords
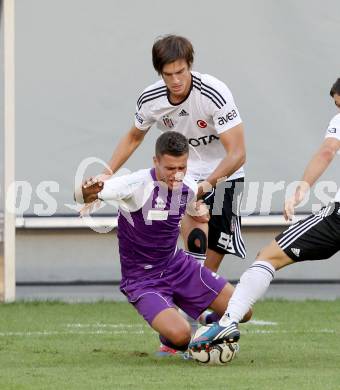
(143, 116)
(224, 111)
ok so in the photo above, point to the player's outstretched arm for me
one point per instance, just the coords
(233, 142)
(125, 148)
(315, 168)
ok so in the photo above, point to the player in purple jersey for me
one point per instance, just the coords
(156, 275)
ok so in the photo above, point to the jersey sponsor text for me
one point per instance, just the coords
(229, 117)
(204, 140)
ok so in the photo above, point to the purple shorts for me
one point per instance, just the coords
(184, 283)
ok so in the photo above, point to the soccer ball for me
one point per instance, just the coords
(218, 354)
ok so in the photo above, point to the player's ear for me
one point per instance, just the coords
(155, 160)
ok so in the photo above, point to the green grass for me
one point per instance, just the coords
(51, 345)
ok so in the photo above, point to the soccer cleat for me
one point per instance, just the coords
(216, 334)
(166, 351)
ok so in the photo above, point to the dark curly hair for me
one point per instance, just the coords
(172, 143)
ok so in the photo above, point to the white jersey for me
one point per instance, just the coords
(131, 191)
(333, 131)
(206, 112)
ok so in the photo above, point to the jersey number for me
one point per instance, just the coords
(226, 242)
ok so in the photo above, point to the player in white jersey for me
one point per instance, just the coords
(314, 238)
(203, 109)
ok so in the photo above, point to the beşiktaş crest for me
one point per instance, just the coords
(168, 121)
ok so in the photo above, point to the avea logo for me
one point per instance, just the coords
(229, 117)
(205, 140)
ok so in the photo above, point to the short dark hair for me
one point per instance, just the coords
(335, 88)
(170, 48)
(172, 143)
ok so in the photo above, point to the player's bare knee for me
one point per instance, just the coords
(184, 338)
(180, 336)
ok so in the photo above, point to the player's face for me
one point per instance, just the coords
(171, 169)
(336, 98)
(177, 78)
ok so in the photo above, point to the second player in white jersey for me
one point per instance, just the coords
(333, 131)
(313, 238)
(207, 111)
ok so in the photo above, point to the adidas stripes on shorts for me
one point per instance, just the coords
(316, 237)
(225, 221)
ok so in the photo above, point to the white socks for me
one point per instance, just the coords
(253, 284)
(200, 257)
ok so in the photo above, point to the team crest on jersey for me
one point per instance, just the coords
(160, 204)
(168, 121)
(202, 124)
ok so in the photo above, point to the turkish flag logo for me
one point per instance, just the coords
(202, 124)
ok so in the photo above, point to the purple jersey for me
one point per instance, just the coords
(149, 219)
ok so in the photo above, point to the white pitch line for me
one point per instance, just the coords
(141, 332)
(122, 325)
(261, 323)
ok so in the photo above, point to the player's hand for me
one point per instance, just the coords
(295, 200)
(200, 212)
(96, 179)
(88, 191)
(202, 188)
(289, 207)
(89, 195)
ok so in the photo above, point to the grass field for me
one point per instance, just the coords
(51, 345)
